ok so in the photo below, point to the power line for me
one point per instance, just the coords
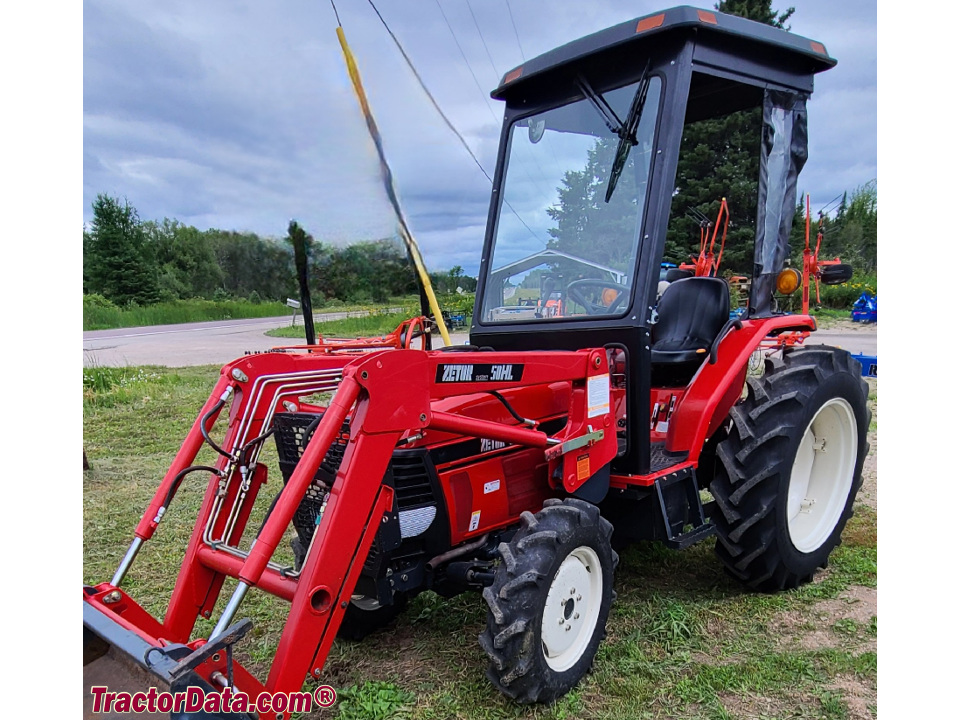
(523, 57)
(484, 42)
(442, 114)
(465, 60)
(433, 100)
(515, 33)
(486, 99)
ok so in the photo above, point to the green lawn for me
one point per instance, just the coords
(684, 640)
(105, 317)
(366, 326)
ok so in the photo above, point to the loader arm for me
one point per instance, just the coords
(383, 395)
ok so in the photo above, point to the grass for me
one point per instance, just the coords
(101, 317)
(684, 640)
(100, 314)
(351, 327)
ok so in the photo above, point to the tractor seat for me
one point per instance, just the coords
(691, 312)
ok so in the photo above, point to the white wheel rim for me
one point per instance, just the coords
(822, 475)
(366, 603)
(572, 608)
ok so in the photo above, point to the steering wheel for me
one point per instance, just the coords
(576, 292)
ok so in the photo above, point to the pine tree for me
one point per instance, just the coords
(586, 225)
(118, 261)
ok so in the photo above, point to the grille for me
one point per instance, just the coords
(410, 475)
(292, 432)
(411, 480)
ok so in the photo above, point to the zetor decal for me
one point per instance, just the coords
(486, 372)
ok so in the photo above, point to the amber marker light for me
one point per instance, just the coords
(788, 281)
(513, 75)
(649, 23)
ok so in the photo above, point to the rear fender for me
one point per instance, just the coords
(717, 385)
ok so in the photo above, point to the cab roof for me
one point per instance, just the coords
(734, 34)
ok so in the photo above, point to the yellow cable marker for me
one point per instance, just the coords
(387, 177)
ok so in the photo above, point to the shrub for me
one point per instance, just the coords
(95, 300)
(844, 296)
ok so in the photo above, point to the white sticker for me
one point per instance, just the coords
(598, 395)
(663, 426)
(491, 486)
(474, 521)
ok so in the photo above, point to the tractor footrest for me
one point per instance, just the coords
(694, 535)
(661, 458)
(684, 521)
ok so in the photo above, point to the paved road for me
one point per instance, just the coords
(218, 342)
(860, 341)
(204, 343)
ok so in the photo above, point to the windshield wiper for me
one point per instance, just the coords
(600, 104)
(627, 132)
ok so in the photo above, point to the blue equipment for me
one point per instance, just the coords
(865, 308)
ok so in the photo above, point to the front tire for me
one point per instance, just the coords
(549, 601)
(790, 468)
(365, 616)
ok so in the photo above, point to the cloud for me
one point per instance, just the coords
(239, 115)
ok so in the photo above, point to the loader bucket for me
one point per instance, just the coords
(128, 666)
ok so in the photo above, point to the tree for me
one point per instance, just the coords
(851, 234)
(858, 232)
(118, 261)
(586, 225)
(187, 263)
(249, 262)
(758, 10)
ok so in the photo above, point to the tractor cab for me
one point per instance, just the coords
(598, 145)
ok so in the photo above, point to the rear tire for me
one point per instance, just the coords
(549, 601)
(790, 469)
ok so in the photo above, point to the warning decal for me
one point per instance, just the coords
(583, 466)
(598, 395)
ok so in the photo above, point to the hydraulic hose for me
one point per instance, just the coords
(206, 433)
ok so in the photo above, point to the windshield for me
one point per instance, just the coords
(561, 249)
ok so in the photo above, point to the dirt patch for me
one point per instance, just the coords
(868, 492)
(846, 325)
(756, 707)
(858, 695)
(831, 623)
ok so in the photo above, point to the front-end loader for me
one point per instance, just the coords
(514, 465)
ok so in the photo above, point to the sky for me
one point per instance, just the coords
(240, 116)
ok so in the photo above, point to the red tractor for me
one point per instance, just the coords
(512, 465)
